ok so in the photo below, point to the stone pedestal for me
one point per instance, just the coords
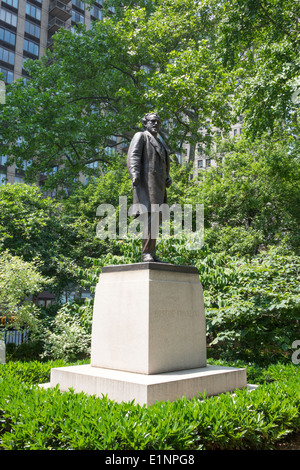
(148, 338)
(149, 318)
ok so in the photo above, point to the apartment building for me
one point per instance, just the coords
(202, 159)
(27, 27)
(26, 30)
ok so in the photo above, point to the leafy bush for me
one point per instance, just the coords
(69, 336)
(38, 230)
(19, 280)
(28, 351)
(44, 419)
(252, 304)
(33, 372)
(253, 307)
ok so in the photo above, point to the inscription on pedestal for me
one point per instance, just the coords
(175, 314)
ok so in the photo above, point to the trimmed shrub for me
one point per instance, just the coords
(43, 419)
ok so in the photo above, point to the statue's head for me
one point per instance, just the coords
(152, 122)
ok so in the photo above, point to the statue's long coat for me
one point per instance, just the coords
(148, 160)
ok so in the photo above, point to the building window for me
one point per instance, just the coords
(32, 29)
(3, 159)
(78, 4)
(2, 179)
(8, 17)
(201, 148)
(110, 151)
(208, 162)
(7, 56)
(7, 36)
(44, 302)
(12, 3)
(24, 165)
(8, 75)
(200, 163)
(31, 47)
(93, 165)
(53, 170)
(33, 11)
(96, 12)
(77, 17)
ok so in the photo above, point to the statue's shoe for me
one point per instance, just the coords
(147, 257)
(157, 260)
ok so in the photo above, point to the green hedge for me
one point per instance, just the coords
(34, 418)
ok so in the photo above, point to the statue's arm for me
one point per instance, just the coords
(134, 157)
(168, 180)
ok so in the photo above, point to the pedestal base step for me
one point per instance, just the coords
(148, 389)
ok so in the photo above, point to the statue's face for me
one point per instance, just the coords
(153, 124)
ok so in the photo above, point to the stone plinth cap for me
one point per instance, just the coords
(150, 265)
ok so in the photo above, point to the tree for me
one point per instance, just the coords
(254, 188)
(19, 281)
(199, 64)
(69, 336)
(260, 39)
(100, 82)
(37, 228)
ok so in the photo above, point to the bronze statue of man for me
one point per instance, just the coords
(148, 163)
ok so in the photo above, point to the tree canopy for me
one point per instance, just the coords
(37, 229)
(261, 38)
(198, 64)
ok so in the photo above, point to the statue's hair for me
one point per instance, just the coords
(146, 117)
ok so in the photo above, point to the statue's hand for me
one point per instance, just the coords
(135, 181)
(168, 181)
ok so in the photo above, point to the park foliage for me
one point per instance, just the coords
(259, 419)
(201, 66)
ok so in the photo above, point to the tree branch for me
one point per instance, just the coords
(94, 98)
(126, 73)
(267, 15)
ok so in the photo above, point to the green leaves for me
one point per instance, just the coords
(261, 40)
(257, 313)
(69, 335)
(253, 187)
(74, 421)
(18, 280)
(100, 82)
(36, 228)
(190, 61)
